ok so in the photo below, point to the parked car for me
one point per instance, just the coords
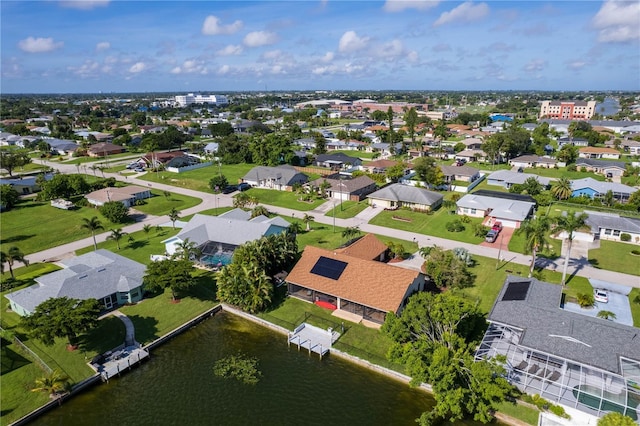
(497, 227)
(600, 295)
(138, 169)
(229, 189)
(491, 236)
(243, 186)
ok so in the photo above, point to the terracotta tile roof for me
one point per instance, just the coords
(368, 247)
(370, 283)
(597, 149)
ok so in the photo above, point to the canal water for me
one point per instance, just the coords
(177, 387)
(609, 107)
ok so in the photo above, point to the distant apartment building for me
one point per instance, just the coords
(186, 100)
(568, 110)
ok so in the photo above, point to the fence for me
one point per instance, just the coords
(30, 354)
(315, 170)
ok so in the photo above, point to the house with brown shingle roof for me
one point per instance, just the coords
(365, 288)
(345, 187)
(102, 149)
(381, 166)
(599, 152)
(368, 247)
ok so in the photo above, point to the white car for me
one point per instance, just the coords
(600, 295)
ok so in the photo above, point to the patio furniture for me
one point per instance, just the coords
(522, 365)
(533, 369)
(554, 376)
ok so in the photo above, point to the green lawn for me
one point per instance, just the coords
(358, 340)
(141, 247)
(521, 412)
(615, 256)
(283, 199)
(634, 302)
(348, 209)
(563, 172)
(155, 316)
(517, 244)
(199, 179)
(102, 160)
(35, 226)
(18, 377)
(159, 204)
(428, 224)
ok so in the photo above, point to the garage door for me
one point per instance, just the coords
(508, 223)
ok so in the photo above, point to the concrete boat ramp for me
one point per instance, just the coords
(312, 338)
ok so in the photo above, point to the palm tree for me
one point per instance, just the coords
(92, 225)
(569, 224)
(146, 228)
(187, 249)
(561, 189)
(307, 219)
(53, 383)
(294, 228)
(350, 232)
(536, 232)
(173, 216)
(606, 315)
(10, 257)
(259, 211)
(116, 235)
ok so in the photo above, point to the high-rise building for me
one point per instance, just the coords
(185, 100)
(568, 110)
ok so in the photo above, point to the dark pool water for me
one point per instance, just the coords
(178, 387)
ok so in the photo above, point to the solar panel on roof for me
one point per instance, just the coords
(516, 291)
(328, 268)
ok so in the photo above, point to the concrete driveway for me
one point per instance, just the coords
(502, 242)
(618, 304)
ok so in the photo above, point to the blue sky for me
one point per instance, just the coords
(218, 46)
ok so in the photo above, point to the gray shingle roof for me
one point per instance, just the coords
(407, 194)
(601, 187)
(230, 228)
(511, 177)
(550, 329)
(500, 207)
(286, 175)
(93, 275)
(597, 221)
(599, 163)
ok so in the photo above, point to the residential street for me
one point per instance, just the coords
(579, 267)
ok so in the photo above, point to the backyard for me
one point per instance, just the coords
(286, 199)
(199, 179)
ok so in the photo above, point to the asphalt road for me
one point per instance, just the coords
(578, 267)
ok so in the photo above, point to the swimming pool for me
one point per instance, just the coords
(613, 402)
(221, 258)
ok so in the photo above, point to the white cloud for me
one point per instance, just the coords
(137, 67)
(87, 70)
(260, 38)
(84, 4)
(328, 57)
(39, 45)
(400, 5)
(618, 21)
(104, 45)
(413, 57)
(191, 66)
(535, 65)
(224, 69)
(466, 12)
(211, 26)
(576, 65)
(230, 50)
(350, 42)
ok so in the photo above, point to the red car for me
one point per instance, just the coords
(497, 227)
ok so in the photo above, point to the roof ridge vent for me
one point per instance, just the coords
(102, 269)
(83, 276)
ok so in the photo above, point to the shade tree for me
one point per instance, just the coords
(174, 274)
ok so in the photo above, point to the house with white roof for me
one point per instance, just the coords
(607, 226)
(218, 236)
(528, 161)
(282, 178)
(595, 189)
(508, 178)
(511, 210)
(398, 195)
(108, 277)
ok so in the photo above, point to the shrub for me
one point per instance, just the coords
(465, 219)
(455, 226)
(82, 202)
(583, 169)
(559, 411)
(140, 202)
(635, 252)
(625, 237)
(572, 168)
(479, 230)
(115, 211)
(585, 300)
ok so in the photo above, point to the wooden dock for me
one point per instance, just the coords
(314, 339)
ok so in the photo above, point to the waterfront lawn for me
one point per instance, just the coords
(348, 209)
(634, 303)
(160, 205)
(615, 256)
(35, 226)
(428, 224)
(286, 199)
(358, 340)
(522, 412)
(16, 398)
(198, 179)
(156, 315)
(141, 247)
